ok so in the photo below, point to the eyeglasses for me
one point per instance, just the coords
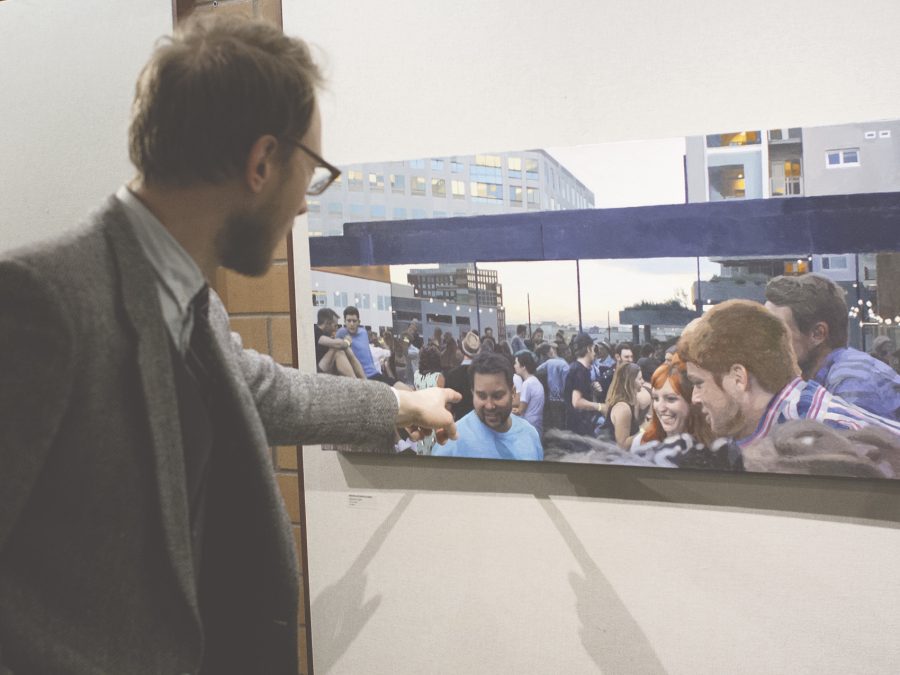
(323, 175)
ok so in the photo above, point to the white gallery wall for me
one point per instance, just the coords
(67, 74)
(467, 566)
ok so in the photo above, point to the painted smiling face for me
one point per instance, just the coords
(671, 409)
(492, 399)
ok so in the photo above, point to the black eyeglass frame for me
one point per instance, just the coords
(332, 169)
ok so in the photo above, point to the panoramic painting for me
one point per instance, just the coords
(670, 303)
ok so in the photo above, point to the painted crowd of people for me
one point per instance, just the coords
(741, 388)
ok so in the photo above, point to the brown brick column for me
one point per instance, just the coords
(262, 312)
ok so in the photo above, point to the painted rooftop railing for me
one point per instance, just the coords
(855, 223)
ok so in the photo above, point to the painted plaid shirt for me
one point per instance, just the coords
(802, 400)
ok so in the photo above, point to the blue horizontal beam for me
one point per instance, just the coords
(859, 223)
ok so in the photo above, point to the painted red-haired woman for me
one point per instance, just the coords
(673, 412)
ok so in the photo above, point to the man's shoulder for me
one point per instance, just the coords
(342, 332)
(79, 262)
(532, 387)
(64, 247)
(577, 369)
(522, 427)
(853, 365)
(525, 433)
(807, 399)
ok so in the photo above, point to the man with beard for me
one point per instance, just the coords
(491, 431)
(740, 361)
(141, 527)
(815, 312)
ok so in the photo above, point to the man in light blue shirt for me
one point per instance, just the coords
(491, 431)
(359, 345)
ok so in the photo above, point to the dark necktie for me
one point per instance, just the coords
(198, 410)
(198, 357)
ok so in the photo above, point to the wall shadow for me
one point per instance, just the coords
(340, 611)
(609, 633)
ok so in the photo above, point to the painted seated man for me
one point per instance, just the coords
(359, 344)
(491, 431)
(333, 355)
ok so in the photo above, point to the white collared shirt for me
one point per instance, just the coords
(178, 278)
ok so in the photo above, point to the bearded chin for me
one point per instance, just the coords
(242, 245)
(736, 420)
(813, 356)
(502, 416)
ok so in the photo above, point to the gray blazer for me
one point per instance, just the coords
(96, 574)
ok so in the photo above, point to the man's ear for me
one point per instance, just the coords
(740, 376)
(261, 162)
(819, 333)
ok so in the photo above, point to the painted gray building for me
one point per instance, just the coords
(852, 158)
(484, 184)
(457, 318)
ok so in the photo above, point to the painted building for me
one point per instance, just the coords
(786, 163)
(510, 182)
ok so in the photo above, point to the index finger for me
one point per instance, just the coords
(446, 433)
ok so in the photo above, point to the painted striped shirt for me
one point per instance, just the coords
(862, 380)
(802, 400)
